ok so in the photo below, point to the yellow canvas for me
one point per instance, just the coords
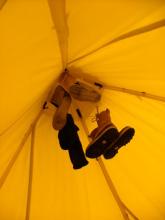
(119, 44)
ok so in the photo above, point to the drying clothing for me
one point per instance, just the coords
(69, 140)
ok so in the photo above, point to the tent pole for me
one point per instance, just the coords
(19, 149)
(136, 93)
(2, 3)
(123, 208)
(14, 158)
(112, 188)
(130, 212)
(31, 165)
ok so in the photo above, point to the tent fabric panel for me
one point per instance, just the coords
(135, 63)
(13, 194)
(30, 57)
(13, 140)
(98, 22)
(2, 3)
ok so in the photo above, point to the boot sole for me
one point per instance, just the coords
(99, 145)
(111, 153)
(124, 138)
(84, 93)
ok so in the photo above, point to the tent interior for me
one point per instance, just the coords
(120, 44)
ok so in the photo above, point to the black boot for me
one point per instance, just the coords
(125, 136)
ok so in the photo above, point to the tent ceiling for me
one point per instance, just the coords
(31, 60)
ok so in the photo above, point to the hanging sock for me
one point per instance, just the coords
(69, 140)
(62, 100)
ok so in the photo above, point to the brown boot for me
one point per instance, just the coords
(62, 100)
(103, 120)
(102, 136)
(123, 137)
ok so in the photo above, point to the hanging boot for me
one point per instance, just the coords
(84, 92)
(111, 152)
(125, 136)
(103, 136)
(81, 91)
(57, 96)
(62, 100)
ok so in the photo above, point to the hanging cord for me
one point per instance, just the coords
(97, 109)
(123, 208)
(93, 118)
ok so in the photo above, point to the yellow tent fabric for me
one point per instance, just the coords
(118, 43)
